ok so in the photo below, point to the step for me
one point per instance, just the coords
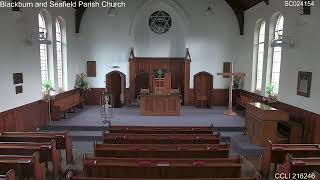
(242, 144)
(73, 128)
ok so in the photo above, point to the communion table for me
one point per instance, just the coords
(160, 105)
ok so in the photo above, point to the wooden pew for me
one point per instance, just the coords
(62, 105)
(24, 166)
(243, 100)
(95, 178)
(111, 138)
(47, 151)
(62, 138)
(276, 153)
(162, 168)
(299, 165)
(10, 175)
(161, 130)
(70, 176)
(162, 151)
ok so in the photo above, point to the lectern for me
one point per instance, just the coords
(262, 121)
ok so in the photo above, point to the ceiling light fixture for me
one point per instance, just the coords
(209, 10)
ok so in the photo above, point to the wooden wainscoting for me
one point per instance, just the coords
(93, 96)
(28, 117)
(219, 97)
(309, 120)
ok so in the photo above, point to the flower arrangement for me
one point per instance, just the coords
(236, 82)
(82, 83)
(271, 91)
(47, 89)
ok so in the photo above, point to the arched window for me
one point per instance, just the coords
(43, 49)
(276, 57)
(260, 55)
(59, 55)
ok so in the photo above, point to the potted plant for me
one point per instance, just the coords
(48, 88)
(82, 83)
(236, 82)
(271, 91)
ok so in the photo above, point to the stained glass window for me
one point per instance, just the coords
(160, 22)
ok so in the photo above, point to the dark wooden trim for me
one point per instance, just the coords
(310, 120)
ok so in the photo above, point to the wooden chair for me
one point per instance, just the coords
(63, 139)
(10, 175)
(47, 151)
(276, 153)
(162, 151)
(160, 138)
(162, 168)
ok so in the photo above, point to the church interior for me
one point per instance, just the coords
(159, 89)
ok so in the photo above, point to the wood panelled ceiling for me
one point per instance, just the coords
(238, 7)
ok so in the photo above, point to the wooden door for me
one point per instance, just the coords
(114, 87)
(203, 82)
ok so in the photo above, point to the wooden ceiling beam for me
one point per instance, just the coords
(78, 17)
(236, 6)
(239, 10)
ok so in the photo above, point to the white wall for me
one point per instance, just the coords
(303, 57)
(107, 40)
(17, 56)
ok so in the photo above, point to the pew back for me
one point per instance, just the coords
(160, 130)
(112, 138)
(24, 166)
(47, 152)
(62, 138)
(162, 168)
(162, 151)
(299, 165)
(276, 153)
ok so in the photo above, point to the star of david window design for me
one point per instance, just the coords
(160, 22)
